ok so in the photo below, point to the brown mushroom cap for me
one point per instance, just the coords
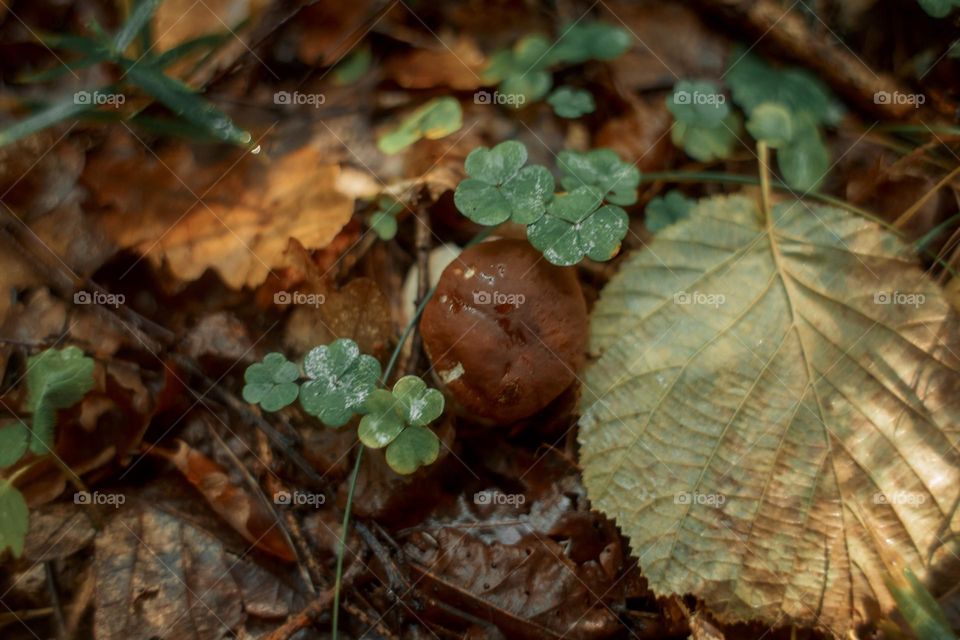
(506, 330)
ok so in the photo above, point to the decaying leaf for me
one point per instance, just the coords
(457, 66)
(234, 218)
(768, 395)
(241, 510)
(161, 577)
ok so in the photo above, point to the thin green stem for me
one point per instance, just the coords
(343, 544)
(391, 363)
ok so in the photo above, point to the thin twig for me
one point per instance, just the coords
(309, 614)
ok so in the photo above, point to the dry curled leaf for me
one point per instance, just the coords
(235, 215)
(244, 512)
(772, 399)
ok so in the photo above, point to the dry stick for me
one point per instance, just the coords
(788, 32)
(315, 609)
(367, 619)
(397, 582)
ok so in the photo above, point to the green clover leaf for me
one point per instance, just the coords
(772, 123)
(576, 205)
(521, 71)
(437, 118)
(55, 380)
(14, 519)
(590, 41)
(753, 81)
(805, 160)
(415, 447)
(383, 422)
(698, 102)
(384, 220)
(271, 383)
(574, 227)
(500, 188)
(14, 438)
(420, 405)
(706, 128)
(663, 211)
(602, 169)
(341, 380)
(398, 419)
(568, 102)
(939, 8)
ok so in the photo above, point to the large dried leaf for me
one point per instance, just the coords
(234, 215)
(760, 407)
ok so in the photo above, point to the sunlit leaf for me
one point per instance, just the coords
(766, 396)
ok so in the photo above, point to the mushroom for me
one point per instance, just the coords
(505, 330)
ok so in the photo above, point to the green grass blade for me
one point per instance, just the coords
(55, 72)
(138, 19)
(83, 44)
(211, 41)
(184, 102)
(53, 114)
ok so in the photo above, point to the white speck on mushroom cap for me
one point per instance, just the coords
(450, 375)
(469, 273)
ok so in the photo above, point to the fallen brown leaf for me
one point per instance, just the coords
(248, 208)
